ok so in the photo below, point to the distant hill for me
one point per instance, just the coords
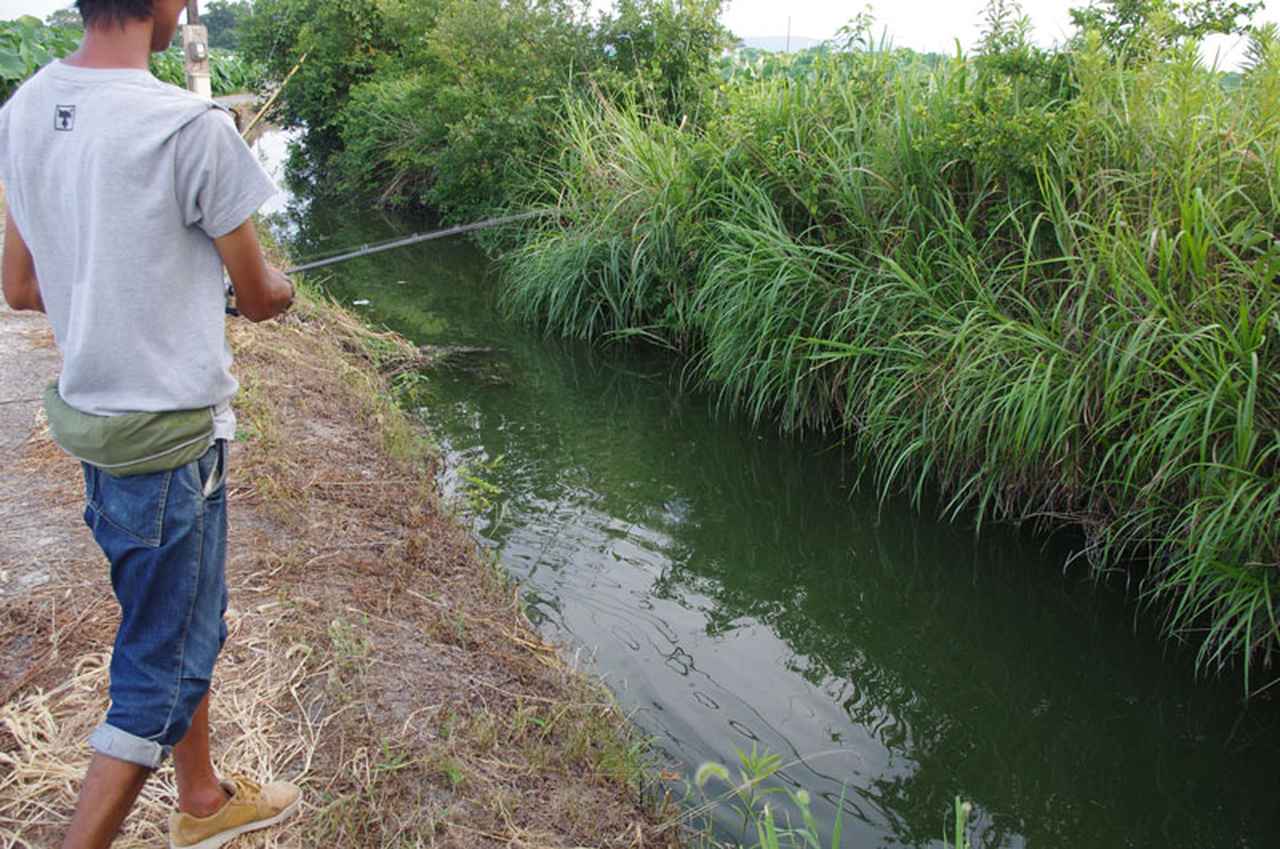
(778, 43)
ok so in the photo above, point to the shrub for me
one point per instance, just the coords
(344, 44)
(229, 72)
(452, 106)
(25, 45)
(484, 102)
(665, 51)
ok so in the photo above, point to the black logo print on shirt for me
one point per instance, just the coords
(64, 118)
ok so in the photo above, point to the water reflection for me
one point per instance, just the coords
(734, 593)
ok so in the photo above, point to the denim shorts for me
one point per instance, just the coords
(165, 535)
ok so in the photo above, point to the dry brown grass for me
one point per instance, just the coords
(375, 656)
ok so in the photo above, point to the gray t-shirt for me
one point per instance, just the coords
(119, 184)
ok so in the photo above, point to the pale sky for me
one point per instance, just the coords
(925, 25)
(920, 24)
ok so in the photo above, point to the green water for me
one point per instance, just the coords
(734, 591)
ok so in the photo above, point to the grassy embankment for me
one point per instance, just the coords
(375, 656)
(1043, 285)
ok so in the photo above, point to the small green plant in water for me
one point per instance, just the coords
(411, 389)
(478, 492)
(750, 800)
(754, 769)
(963, 810)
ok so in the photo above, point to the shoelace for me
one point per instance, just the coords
(247, 790)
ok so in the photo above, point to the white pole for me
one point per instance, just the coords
(195, 50)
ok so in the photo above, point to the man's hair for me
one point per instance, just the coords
(119, 12)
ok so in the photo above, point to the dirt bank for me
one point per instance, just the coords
(375, 657)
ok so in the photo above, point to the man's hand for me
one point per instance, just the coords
(262, 292)
(21, 289)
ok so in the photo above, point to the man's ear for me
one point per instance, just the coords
(164, 21)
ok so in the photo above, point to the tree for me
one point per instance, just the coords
(222, 18)
(667, 46)
(67, 17)
(344, 44)
(1138, 28)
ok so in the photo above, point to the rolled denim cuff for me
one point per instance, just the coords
(123, 746)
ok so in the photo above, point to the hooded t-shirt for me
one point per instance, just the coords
(118, 184)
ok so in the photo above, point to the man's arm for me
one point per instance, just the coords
(262, 292)
(21, 289)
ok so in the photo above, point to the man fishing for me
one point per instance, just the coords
(126, 199)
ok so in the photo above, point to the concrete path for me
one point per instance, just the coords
(233, 100)
(28, 361)
(41, 497)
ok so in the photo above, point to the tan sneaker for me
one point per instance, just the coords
(251, 807)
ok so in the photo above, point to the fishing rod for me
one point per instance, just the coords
(392, 244)
(405, 241)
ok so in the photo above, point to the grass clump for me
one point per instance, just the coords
(1042, 284)
(777, 816)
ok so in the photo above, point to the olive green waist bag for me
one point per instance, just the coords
(133, 443)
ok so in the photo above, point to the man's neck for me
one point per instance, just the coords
(114, 46)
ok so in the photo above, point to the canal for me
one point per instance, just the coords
(736, 589)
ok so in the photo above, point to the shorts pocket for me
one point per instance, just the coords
(132, 505)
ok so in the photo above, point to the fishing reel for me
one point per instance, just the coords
(229, 294)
